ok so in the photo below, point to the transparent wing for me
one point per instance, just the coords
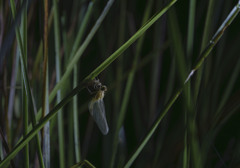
(97, 110)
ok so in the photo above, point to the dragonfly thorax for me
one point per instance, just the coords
(99, 95)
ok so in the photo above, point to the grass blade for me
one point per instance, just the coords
(40, 125)
(26, 81)
(127, 91)
(199, 63)
(45, 102)
(81, 50)
(24, 95)
(58, 76)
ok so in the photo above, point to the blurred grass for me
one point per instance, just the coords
(196, 129)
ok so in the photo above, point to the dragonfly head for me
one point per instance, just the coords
(104, 88)
(95, 86)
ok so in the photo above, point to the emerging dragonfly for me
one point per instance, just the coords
(96, 105)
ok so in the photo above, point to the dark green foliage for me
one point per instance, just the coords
(171, 69)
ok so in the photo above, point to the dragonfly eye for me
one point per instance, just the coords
(103, 88)
(97, 86)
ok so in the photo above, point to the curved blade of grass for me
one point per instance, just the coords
(115, 55)
(206, 35)
(75, 80)
(85, 163)
(6, 45)
(189, 51)
(181, 62)
(5, 145)
(203, 56)
(26, 81)
(80, 51)
(40, 125)
(82, 29)
(199, 63)
(128, 88)
(190, 32)
(152, 130)
(176, 41)
(78, 54)
(189, 112)
(112, 57)
(45, 101)
(58, 76)
(98, 70)
(227, 92)
(24, 96)
(138, 34)
(40, 47)
(160, 32)
(121, 37)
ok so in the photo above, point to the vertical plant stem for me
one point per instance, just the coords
(120, 61)
(24, 94)
(189, 111)
(70, 156)
(75, 119)
(153, 128)
(176, 41)
(13, 90)
(80, 51)
(82, 29)
(45, 106)
(190, 32)
(205, 39)
(232, 15)
(58, 76)
(119, 73)
(78, 55)
(127, 91)
(159, 33)
(26, 82)
(40, 125)
(75, 81)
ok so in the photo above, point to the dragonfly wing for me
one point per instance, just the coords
(97, 110)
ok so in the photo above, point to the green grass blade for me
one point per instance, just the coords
(75, 81)
(78, 54)
(152, 130)
(227, 91)
(205, 39)
(196, 131)
(176, 41)
(111, 58)
(121, 37)
(75, 121)
(53, 112)
(159, 32)
(45, 102)
(127, 91)
(26, 81)
(199, 63)
(40, 125)
(84, 163)
(24, 95)
(82, 29)
(190, 32)
(80, 51)
(189, 52)
(58, 76)
(138, 34)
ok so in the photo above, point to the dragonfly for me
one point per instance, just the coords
(96, 105)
